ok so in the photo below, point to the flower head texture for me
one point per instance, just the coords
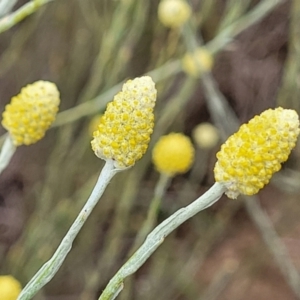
(173, 13)
(125, 128)
(194, 64)
(173, 154)
(249, 158)
(10, 288)
(31, 112)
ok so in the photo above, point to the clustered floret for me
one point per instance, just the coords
(124, 130)
(249, 158)
(31, 112)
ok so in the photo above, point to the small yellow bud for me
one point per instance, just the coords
(250, 157)
(206, 135)
(124, 131)
(173, 13)
(173, 154)
(194, 64)
(31, 112)
(10, 288)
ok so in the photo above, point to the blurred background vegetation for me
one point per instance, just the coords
(88, 48)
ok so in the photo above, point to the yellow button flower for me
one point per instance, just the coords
(173, 13)
(249, 158)
(173, 154)
(10, 288)
(194, 64)
(124, 130)
(31, 112)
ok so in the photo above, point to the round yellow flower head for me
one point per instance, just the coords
(173, 154)
(194, 64)
(10, 288)
(249, 158)
(206, 135)
(124, 130)
(173, 13)
(31, 112)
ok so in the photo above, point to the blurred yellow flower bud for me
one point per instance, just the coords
(173, 154)
(249, 158)
(194, 64)
(31, 112)
(124, 130)
(173, 13)
(10, 288)
(206, 135)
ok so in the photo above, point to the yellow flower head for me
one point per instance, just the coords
(173, 13)
(194, 64)
(124, 130)
(173, 154)
(206, 135)
(31, 112)
(249, 158)
(10, 288)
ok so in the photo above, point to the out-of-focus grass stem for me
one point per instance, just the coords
(24, 11)
(255, 15)
(160, 189)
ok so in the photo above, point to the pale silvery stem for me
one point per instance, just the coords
(156, 238)
(7, 151)
(6, 6)
(50, 268)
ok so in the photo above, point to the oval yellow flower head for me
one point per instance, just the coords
(31, 112)
(124, 130)
(249, 158)
(10, 288)
(194, 64)
(173, 13)
(173, 154)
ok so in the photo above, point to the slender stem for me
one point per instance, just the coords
(156, 238)
(160, 189)
(7, 151)
(274, 243)
(50, 268)
(255, 15)
(24, 11)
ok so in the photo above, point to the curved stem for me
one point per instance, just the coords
(156, 238)
(50, 268)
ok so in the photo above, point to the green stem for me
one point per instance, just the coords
(160, 189)
(255, 15)
(50, 268)
(24, 11)
(156, 238)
